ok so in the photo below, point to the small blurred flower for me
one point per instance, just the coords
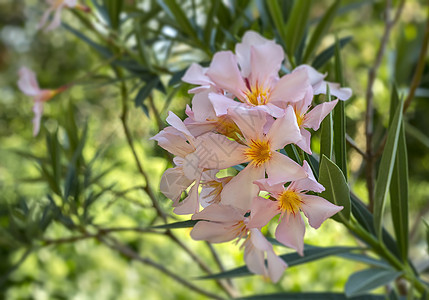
(28, 84)
(55, 8)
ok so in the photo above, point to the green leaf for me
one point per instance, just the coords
(321, 30)
(365, 259)
(114, 8)
(336, 188)
(326, 137)
(399, 185)
(144, 92)
(417, 134)
(277, 17)
(328, 53)
(291, 151)
(292, 259)
(369, 279)
(183, 224)
(175, 11)
(310, 296)
(296, 25)
(427, 234)
(340, 119)
(386, 169)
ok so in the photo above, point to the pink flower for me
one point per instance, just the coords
(288, 202)
(310, 119)
(28, 84)
(177, 140)
(319, 85)
(223, 223)
(55, 9)
(211, 190)
(216, 151)
(252, 76)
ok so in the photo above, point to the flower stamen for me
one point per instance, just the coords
(290, 201)
(258, 152)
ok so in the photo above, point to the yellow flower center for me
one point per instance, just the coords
(290, 201)
(299, 118)
(227, 127)
(258, 152)
(258, 95)
(240, 230)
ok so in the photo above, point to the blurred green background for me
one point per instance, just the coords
(87, 269)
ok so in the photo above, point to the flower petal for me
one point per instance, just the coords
(189, 205)
(240, 191)
(317, 209)
(307, 184)
(251, 122)
(173, 183)
(284, 130)
(216, 151)
(317, 114)
(305, 141)
(177, 123)
(291, 87)
(38, 111)
(221, 103)
(281, 168)
(290, 232)
(262, 211)
(220, 213)
(196, 74)
(202, 107)
(266, 185)
(335, 89)
(276, 266)
(27, 82)
(265, 61)
(173, 141)
(213, 232)
(224, 72)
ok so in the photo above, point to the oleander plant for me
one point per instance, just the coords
(184, 149)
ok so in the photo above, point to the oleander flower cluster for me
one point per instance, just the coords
(243, 114)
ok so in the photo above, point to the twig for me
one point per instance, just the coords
(159, 122)
(4, 277)
(114, 244)
(369, 116)
(219, 262)
(352, 144)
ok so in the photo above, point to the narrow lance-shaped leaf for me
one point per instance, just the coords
(324, 56)
(340, 119)
(296, 25)
(336, 188)
(369, 279)
(399, 185)
(311, 296)
(182, 224)
(326, 137)
(386, 169)
(321, 29)
(277, 17)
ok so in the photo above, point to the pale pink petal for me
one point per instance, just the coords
(242, 50)
(27, 82)
(305, 141)
(202, 107)
(276, 266)
(281, 168)
(251, 122)
(56, 20)
(317, 209)
(189, 205)
(38, 111)
(199, 128)
(177, 123)
(262, 211)
(173, 141)
(307, 184)
(191, 167)
(224, 72)
(284, 130)
(315, 77)
(240, 191)
(291, 87)
(335, 90)
(45, 17)
(220, 213)
(196, 74)
(270, 109)
(221, 103)
(216, 151)
(259, 241)
(70, 3)
(254, 259)
(173, 183)
(213, 232)
(317, 114)
(302, 106)
(273, 188)
(265, 61)
(290, 232)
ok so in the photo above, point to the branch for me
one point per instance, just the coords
(114, 244)
(353, 144)
(369, 116)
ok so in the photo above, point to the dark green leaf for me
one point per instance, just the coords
(145, 92)
(183, 224)
(277, 17)
(399, 185)
(427, 235)
(365, 259)
(292, 259)
(328, 53)
(175, 11)
(310, 296)
(386, 169)
(336, 188)
(296, 25)
(340, 119)
(291, 151)
(326, 137)
(114, 8)
(369, 279)
(321, 30)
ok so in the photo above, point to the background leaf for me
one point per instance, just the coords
(369, 279)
